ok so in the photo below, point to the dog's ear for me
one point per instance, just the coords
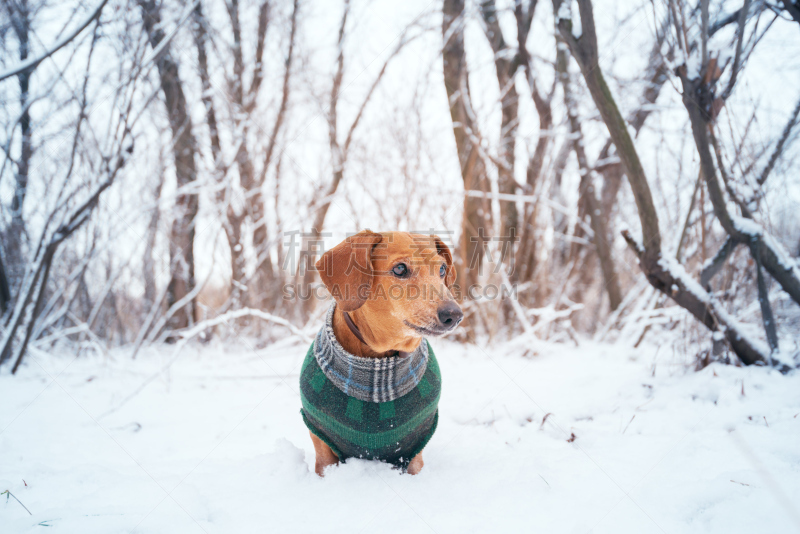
(444, 252)
(346, 269)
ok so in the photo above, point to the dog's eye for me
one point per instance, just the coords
(443, 270)
(400, 270)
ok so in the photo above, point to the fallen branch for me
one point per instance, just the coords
(197, 329)
(670, 278)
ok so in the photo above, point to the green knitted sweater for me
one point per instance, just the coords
(393, 431)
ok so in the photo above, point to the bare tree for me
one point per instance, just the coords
(664, 274)
(72, 210)
(476, 214)
(184, 147)
(75, 183)
(508, 59)
(526, 262)
(703, 102)
(506, 63)
(149, 267)
(590, 203)
(15, 236)
(5, 293)
(340, 150)
(253, 205)
(244, 98)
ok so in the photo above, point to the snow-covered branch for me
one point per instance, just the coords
(31, 63)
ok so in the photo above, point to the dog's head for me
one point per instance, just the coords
(401, 281)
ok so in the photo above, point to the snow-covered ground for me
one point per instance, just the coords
(216, 444)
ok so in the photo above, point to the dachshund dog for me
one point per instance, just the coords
(391, 289)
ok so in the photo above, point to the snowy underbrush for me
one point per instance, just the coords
(532, 437)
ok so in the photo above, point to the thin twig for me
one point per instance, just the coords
(773, 159)
(15, 498)
(737, 61)
(33, 62)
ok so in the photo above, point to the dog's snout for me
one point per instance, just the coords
(450, 314)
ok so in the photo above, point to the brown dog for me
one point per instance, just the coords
(394, 287)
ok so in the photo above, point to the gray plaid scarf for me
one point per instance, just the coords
(368, 379)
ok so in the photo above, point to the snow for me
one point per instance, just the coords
(678, 272)
(216, 444)
(784, 260)
(693, 64)
(565, 10)
(744, 331)
(747, 226)
(753, 229)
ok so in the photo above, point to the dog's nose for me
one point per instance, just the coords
(450, 314)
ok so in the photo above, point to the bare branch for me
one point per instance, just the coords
(772, 255)
(33, 62)
(663, 273)
(337, 82)
(713, 266)
(284, 94)
(793, 10)
(403, 41)
(776, 154)
(584, 50)
(588, 194)
(5, 294)
(763, 298)
(261, 35)
(737, 60)
(681, 239)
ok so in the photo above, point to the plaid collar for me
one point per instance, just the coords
(368, 379)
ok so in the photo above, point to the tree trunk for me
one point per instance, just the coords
(473, 168)
(5, 294)
(148, 267)
(265, 274)
(16, 233)
(200, 34)
(526, 256)
(506, 63)
(253, 204)
(181, 246)
(584, 50)
(232, 231)
(588, 195)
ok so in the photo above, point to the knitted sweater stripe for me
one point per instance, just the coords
(404, 459)
(393, 431)
(368, 440)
